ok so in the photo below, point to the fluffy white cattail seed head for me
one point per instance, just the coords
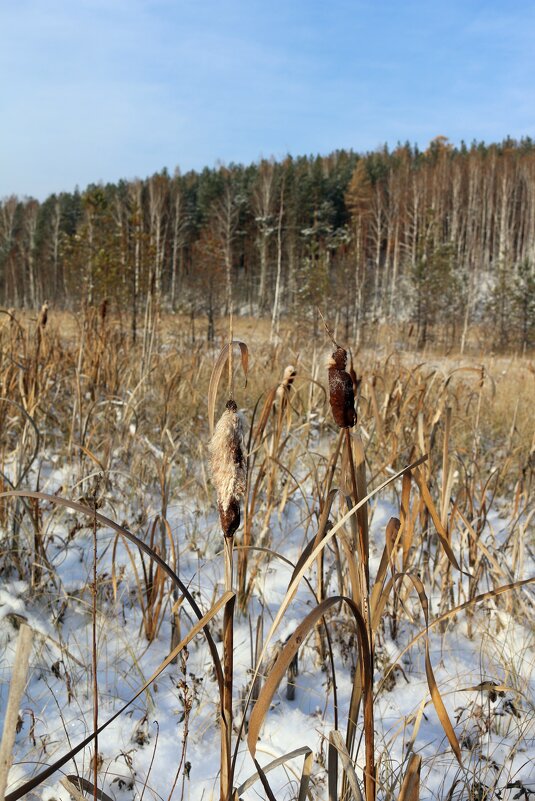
(228, 467)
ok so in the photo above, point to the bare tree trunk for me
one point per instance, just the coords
(276, 301)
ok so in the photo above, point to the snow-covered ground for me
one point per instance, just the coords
(142, 750)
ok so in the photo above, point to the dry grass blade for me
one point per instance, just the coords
(45, 774)
(338, 742)
(443, 537)
(275, 764)
(73, 791)
(305, 776)
(106, 521)
(217, 372)
(264, 414)
(284, 658)
(431, 681)
(309, 547)
(410, 789)
(298, 574)
(74, 784)
(391, 543)
(485, 596)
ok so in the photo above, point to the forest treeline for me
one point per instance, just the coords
(439, 239)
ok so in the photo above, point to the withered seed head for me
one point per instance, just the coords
(339, 358)
(230, 518)
(341, 393)
(287, 380)
(228, 467)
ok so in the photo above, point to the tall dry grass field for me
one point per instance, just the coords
(316, 605)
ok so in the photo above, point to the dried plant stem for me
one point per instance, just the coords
(363, 552)
(332, 466)
(94, 656)
(16, 691)
(228, 669)
(363, 545)
(230, 353)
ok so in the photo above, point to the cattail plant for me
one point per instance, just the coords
(227, 461)
(342, 400)
(228, 475)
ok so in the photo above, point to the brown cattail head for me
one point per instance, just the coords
(341, 390)
(43, 315)
(230, 517)
(228, 467)
(103, 310)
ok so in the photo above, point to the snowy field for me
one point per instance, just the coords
(166, 745)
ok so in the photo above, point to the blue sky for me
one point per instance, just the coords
(96, 90)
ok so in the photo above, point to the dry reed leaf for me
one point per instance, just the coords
(92, 456)
(286, 655)
(431, 681)
(443, 537)
(45, 774)
(73, 791)
(416, 728)
(264, 415)
(410, 789)
(298, 575)
(305, 777)
(347, 763)
(304, 750)
(407, 521)
(391, 542)
(357, 692)
(488, 686)
(217, 372)
(440, 708)
(74, 784)
(485, 596)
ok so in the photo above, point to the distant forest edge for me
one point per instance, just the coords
(437, 240)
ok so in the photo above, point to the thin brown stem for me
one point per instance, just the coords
(228, 670)
(94, 656)
(363, 550)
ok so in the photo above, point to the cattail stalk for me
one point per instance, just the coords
(342, 399)
(228, 474)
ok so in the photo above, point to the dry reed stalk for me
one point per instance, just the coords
(94, 659)
(276, 407)
(342, 400)
(16, 691)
